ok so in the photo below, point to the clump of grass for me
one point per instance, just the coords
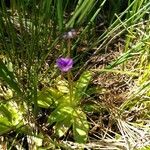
(41, 106)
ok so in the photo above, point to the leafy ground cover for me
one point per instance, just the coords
(75, 74)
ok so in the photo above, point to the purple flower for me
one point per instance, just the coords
(64, 64)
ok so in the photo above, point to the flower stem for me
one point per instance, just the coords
(69, 75)
(69, 47)
(70, 86)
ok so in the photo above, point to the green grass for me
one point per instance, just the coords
(103, 100)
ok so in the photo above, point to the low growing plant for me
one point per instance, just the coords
(65, 99)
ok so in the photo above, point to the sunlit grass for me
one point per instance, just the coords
(41, 105)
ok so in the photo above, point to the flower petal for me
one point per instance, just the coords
(64, 64)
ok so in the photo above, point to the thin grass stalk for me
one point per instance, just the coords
(59, 6)
(89, 24)
(104, 37)
(78, 11)
(135, 8)
(85, 11)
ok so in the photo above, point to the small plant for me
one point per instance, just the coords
(66, 98)
(67, 107)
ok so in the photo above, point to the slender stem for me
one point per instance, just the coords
(69, 47)
(69, 73)
(70, 85)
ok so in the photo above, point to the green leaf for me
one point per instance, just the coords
(144, 148)
(49, 96)
(5, 112)
(81, 12)
(91, 107)
(62, 116)
(16, 112)
(80, 127)
(44, 98)
(12, 114)
(59, 7)
(63, 126)
(9, 78)
(55, 95)
(62, 85)
(5, 125)
(59, 114)
(81, 85)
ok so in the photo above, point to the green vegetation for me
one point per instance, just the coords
(102, 101)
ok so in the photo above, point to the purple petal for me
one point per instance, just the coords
(64, 64)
